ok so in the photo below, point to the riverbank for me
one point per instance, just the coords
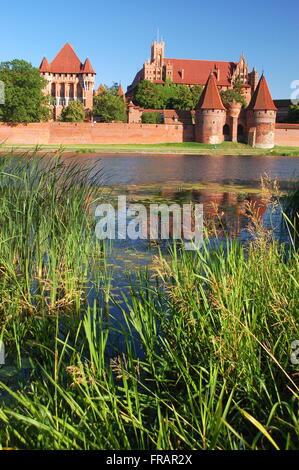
(193, 148)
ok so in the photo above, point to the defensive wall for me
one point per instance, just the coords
(64, 133)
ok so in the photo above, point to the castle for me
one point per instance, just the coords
(254, 125)
(158, 69)
(68, 79)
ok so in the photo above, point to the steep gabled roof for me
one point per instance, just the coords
(192, 72)
(210, 97)
(87, 67)
(262, 99)
(44, 66)
(66, 61)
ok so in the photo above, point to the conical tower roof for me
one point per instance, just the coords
(262, 99)
(87, 67)
(120, 91)
(44, 66)
(210, 97)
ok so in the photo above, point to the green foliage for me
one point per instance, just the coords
(168, 96)
(293, 114)
(151, 118)
(149, 95)
(24, 99)
(109, 106)
(183, 99)
(74, 112)
(234, 94)
(196, 94)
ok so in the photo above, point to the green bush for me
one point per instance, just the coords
(151, 118)
(74, 112)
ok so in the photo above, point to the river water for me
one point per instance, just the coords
(226, 186)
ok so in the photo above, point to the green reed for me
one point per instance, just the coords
(205, 361)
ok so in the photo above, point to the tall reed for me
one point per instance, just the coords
(205, 358)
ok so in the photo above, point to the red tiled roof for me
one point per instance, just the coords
(44, 66)
(120, 91)
(210, 97)
(66, 61)
(196, 72)
(100, 89)
(261, 99)
(137, 79)
(87, 67)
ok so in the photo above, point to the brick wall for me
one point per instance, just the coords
(94, 133)
(287, 134)
(99, 133)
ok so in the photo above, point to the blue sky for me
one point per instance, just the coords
(116, 35)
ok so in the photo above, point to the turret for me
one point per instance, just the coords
(261, 116)
(210, 114)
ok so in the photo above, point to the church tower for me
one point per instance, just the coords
(157, 53)
(153, 68)
(210, 114)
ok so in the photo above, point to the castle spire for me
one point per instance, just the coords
(210, 97)
(262, 99)
(87, 67)
(44, 66)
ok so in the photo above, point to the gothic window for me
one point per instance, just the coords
(62, 90)
(53, 89)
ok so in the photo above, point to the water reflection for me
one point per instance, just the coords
(229, 170)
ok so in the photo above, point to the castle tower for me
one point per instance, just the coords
(157, 53)
(68, 80)
(253, 79)
(261, 116)
(210, 114)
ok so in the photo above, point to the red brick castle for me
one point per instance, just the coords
(194, 72)
(68, 79)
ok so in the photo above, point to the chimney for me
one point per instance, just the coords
(182, 74)
(218, 74)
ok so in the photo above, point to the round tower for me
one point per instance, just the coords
(210, 115)
(261, 116)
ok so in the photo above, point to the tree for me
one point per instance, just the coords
(74, 112)
(196, 91)
(166, 96)
(108, 106)
(183, 99)
(24, 98)
(230, 96)
(293, 114)
(151, 118)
